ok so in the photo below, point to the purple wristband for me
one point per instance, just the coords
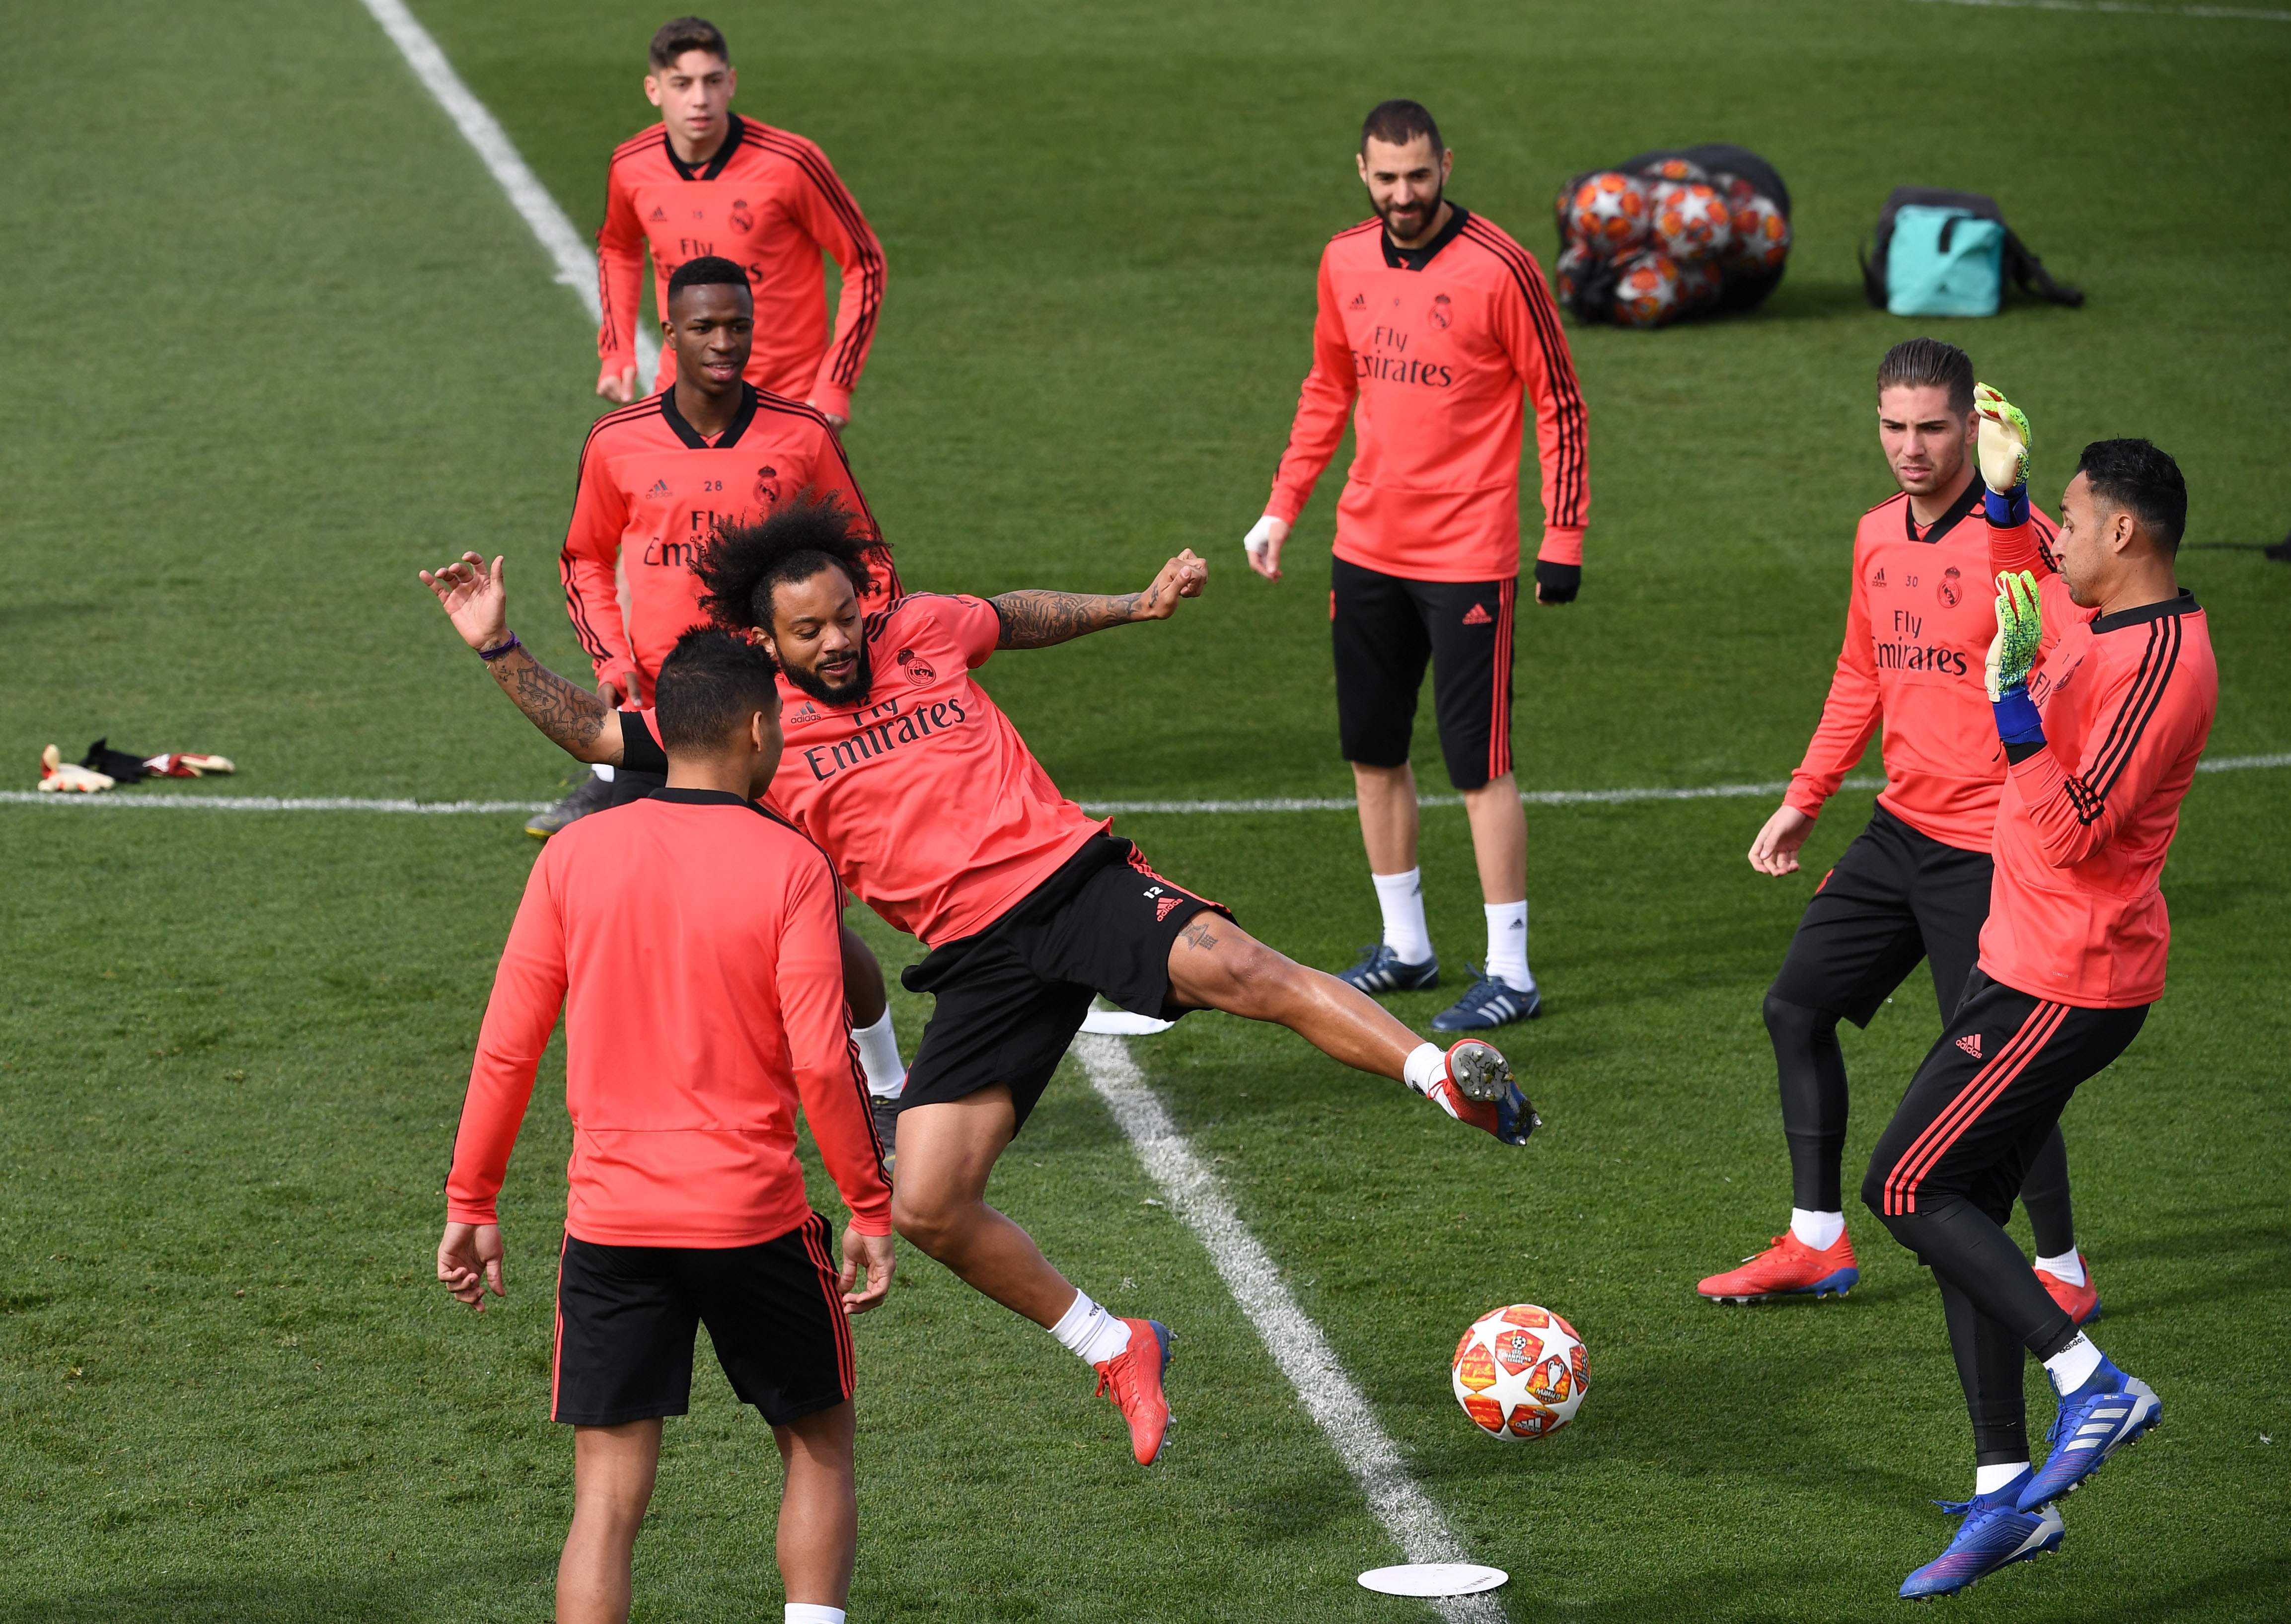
(490, 655)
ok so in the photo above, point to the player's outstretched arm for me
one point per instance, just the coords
(1037, 620)
(476, 599)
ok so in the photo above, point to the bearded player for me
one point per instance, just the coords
(2104, 688)
(1915, 884)
(705, 181)
(937, 815)
(657, 479)
(1433, 328)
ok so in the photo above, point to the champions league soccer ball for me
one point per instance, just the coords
(1609, 213)
(1699, 282)
(1691, 220)
(1647, 290)
(1568, 275)
(1762, 237)
(1521, 1373)
(1675, 169)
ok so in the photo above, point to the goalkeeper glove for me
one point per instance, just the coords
(2020, 629)
(60, 776)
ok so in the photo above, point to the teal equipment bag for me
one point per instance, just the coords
(1944, 263)
(1939, 253)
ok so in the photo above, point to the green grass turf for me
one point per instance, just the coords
(277, 340)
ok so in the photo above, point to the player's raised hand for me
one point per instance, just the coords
(1183, 576)
(474, 598)
(1775, 851)
(469, 1261)
(2019, 630)
(1262, 546)
(835, 419)
(871, 1254)
(2005, 440)
(620, 386)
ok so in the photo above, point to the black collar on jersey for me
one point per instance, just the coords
(714, 166)
(693, 440)
(1417, 259)
(2184, 604)
(702, 797)
(1969, 499)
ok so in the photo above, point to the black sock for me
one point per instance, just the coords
(2044, 1197)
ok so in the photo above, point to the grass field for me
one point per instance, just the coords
(277, 340)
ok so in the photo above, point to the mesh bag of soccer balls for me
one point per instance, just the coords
(1671, 236)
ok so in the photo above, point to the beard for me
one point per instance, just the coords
(1419, 216)
(849, 692)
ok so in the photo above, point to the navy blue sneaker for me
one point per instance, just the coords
(2110, 1411)
(1380, 970)
(1488, 1004)
(1995, 1535)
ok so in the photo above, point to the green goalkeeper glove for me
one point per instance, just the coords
(2005, 440)
(2019, 628)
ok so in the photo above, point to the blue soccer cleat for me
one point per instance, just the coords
(1995, 1535)
(1380, 970)
(1488, 1004)
(2110, 1411)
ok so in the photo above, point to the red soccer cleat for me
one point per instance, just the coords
(1135, 1375)
(2079, 1303)
(1478, 1089)
(1789, 1268)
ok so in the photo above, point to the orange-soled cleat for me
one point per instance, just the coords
(1789, 1268)
(1134, 1376)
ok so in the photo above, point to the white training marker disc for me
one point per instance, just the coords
(1121, 1023)
(1433, 1579)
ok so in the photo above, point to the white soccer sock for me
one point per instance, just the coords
(603, 769)
(1507, 945)
(879, 1053)
(1424, 1068)
(1819, 1230)
(2073, 1365)
(1401, 898)
(2068, 1266)
(1989, 1479)
(812, 1612)
(1089, 1331)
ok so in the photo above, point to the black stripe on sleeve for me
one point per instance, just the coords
(822, 175)
(1559, 370)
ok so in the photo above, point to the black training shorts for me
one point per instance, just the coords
(626, 1317)
(1988, 1096)
(1385, 628)
(1010, 999)
(1895, 896)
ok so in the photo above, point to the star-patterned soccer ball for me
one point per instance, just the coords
(1692, 222)
(1674, 169)
(1699, 282)
(1521, 1373)
(1762, 237)
(1647, 290)
(1609, 213)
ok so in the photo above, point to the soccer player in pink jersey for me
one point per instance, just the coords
(705, 181)
(1435, 331)
(937, 815)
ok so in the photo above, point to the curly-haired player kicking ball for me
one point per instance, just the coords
(937, 815)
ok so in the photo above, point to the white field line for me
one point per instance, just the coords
(1324, 803)
(576, 264)
(1295, 1342)
(2237, 12)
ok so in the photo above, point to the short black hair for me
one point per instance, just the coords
(708, 685)
(740, 564)
(1928, 363)
(1398, 123)
(709, 270)
(2144, 481)
(687, 34)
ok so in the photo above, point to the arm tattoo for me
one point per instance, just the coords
(1037, 620)
(1197, 934)
(571, 717)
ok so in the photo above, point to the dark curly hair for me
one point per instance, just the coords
(710, 683)
(740, 564)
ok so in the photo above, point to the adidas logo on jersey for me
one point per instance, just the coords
(659, 217)
(1166, 906)
(659, 488)
(1971, 1044)
(1478, 615)
(1360, 302)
